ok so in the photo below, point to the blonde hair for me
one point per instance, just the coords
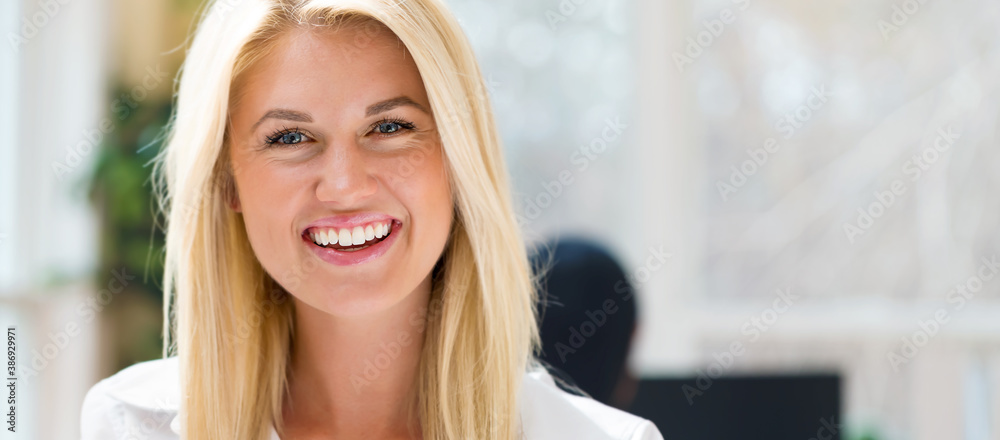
(229, 322)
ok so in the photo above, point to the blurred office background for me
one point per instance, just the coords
(794, 189)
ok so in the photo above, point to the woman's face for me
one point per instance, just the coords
(339, 171)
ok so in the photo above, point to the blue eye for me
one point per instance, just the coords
(387, 127)
(391, 127)
(286, 137)
(291, 138)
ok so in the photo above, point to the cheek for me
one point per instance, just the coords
(422, 175)
(419, 178)
(437, 206)
(410, 166)
(267, 201)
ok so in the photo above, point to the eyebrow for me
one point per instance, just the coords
(285, 114)
(389, 104)
(372, 110)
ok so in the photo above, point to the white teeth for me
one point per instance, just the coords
(355, 236)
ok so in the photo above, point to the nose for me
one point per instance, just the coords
(345, 177)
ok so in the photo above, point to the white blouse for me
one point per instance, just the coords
(141, 402)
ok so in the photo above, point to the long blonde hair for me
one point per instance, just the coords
(230, 323)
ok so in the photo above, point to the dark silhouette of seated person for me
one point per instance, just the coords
(588, 319)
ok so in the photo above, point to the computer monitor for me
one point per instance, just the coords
(773, 407)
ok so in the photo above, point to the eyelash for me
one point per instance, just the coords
(406, 125)
(273, 139)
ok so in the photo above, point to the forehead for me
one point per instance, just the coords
(316, 65)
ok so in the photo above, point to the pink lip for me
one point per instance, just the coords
(344, 258)
(349, 221)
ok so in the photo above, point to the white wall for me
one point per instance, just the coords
(890, 88)
(53, 80)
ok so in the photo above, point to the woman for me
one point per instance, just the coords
(342, 255)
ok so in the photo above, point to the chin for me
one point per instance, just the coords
(356, 299)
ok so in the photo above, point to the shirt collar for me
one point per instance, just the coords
(161, 394)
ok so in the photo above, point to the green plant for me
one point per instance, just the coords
(121, 192)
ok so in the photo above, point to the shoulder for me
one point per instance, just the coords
(144, 399)
(141, 400)
(549, 412)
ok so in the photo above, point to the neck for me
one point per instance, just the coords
(355, 376)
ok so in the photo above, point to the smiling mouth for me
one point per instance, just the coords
(350, 239)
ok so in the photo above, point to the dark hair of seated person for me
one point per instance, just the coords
(578, 279)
